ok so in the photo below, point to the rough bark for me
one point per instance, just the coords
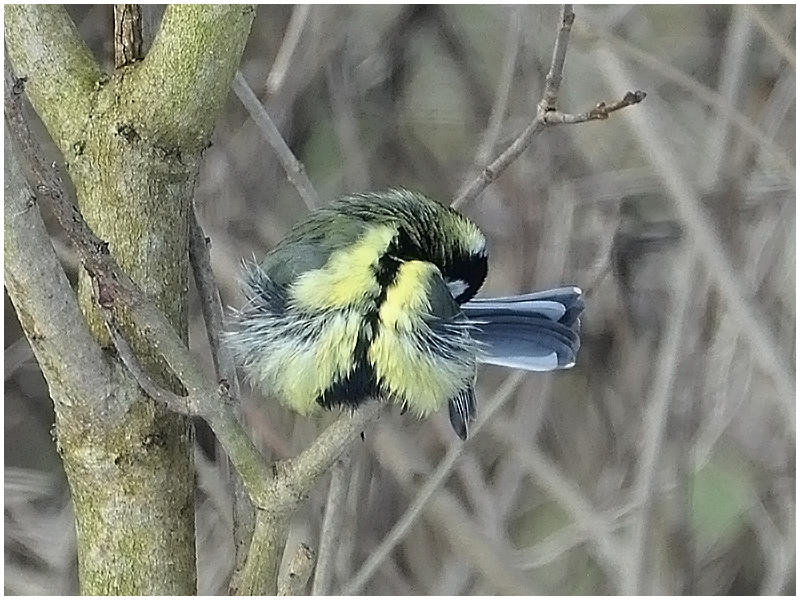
(132, 143)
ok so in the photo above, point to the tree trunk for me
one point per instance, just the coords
(132, 144)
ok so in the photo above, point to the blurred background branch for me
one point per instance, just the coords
(385, 96)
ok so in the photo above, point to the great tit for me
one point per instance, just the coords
(370, 297)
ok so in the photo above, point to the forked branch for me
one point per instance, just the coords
(547, 114)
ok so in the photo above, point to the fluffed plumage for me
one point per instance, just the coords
(371, 296)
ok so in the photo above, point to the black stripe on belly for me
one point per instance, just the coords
(361, 384)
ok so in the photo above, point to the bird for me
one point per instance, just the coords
(372, 296)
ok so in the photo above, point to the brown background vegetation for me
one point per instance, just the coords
(664, 461)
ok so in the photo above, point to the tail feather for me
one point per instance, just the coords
(534, 332)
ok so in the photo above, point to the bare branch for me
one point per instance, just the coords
(783, 47)
(296, 475)
(286, 52)
(434, 483)
(546, 115)
(287, 489)
(172, 401)
(293, 581)
(66, 73)
(500, 164)
(127, 34)
(598, 113)
(175, 118)
(46, 304)
(225, 370)
(332, 525)
(702, 92)
(552, 83)
(295, 170)
(210, 303)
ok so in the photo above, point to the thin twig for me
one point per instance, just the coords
(435, 481)
(225, 370)
(172, 401)
(44, 173)
(332, 525)
(286, 52)
(598, 113)
(500, 104)
(539, 124)
(552, 83)
(546, 115)
(783, 46)
(702, 92)
(295, 170)
(210, 303)
(503, 87)
(500, 164)
(705, 237)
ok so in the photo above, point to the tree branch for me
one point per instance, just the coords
(432, 485)
(225, 370)
(210, 303)
(172, 401)
(547, 115)
(332, 525)
(552, 83)
(293, 479)
(60, 70)
(127, 34)
(295, 170)
(191, 90)
(278, 496)
(35, 280)
(44, 301)
(93, 429)
(286, 52)
(598, 113)
(293, 582)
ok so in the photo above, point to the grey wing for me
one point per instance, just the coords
(534, 332)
